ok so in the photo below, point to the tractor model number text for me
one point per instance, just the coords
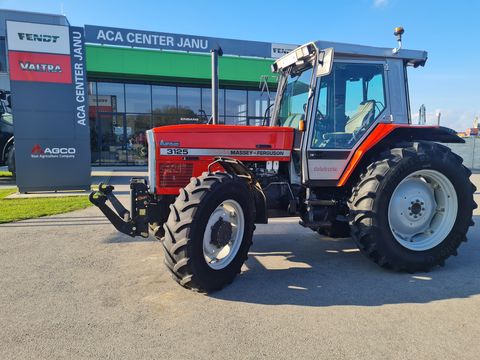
(177, 151)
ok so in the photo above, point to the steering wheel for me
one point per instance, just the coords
(318, 113)
(359, 133)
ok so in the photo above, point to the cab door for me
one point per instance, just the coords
(349, 102)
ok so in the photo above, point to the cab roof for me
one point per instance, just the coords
(411, 57)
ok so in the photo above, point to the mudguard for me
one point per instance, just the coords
(237, 168)
(385, 135)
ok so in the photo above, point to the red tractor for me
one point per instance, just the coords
(340, 152)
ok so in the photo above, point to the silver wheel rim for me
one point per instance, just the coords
(422, 210)
(221, 249)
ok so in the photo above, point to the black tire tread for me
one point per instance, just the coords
(177, 229)
(362, 214)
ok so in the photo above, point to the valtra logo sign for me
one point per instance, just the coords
(39, 67)
(28, 66)
(38, 152)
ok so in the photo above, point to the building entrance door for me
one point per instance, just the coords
(136, 126)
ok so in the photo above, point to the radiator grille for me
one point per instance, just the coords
(175, 174)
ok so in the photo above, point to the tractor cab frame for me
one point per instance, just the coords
(334, 95)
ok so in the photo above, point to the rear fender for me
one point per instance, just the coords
(237, 168)
(385, 136)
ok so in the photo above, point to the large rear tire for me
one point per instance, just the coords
(209, 231)
(412, 207)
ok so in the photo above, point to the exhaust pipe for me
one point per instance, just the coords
(215, 54)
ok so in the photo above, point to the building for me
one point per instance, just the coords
(143, 79)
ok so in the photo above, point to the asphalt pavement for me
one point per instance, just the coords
(72, 287)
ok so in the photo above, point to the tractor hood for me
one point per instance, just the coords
(178, 152)
(224, 137)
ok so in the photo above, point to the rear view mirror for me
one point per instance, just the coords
(325, 62)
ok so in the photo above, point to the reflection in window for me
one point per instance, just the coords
(188, 100)
(236, 102)
(257, 103)
(207, 101)
(120, 114)
(162, 120)
(164, 99)
(136, 139)
(236, 120)
(3, 55)
(111, 97)
(138, 98)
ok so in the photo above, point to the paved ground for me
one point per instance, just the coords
(71, 287)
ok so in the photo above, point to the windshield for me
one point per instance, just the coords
(294, 99)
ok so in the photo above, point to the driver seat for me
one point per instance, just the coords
(363, 115)
(293, 121)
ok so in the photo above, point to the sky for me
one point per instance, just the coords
(448, 84)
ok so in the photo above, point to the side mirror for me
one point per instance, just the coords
(325, 62)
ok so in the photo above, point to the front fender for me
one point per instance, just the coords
(237, 168)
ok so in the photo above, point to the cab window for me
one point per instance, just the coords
(351, 98)
(294, 99)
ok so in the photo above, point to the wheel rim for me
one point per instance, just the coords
(223, 234)
(422, 210)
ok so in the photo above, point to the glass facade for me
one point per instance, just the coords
(120, 113)
(3, 55)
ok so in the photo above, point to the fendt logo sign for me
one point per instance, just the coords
(39, 37)
(53, 152)
(52, 39)
(278, 50)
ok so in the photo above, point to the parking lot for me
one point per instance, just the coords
(72, 287)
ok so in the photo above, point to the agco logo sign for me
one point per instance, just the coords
(39, 152)
(38, 37)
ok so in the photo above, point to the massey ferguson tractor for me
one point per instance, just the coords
(340, 153)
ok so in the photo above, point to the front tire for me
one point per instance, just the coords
(412, 207)
(209, 231)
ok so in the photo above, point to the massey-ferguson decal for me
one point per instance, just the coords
(52, 68)
(224, 152)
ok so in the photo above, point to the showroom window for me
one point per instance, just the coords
(110, 97)
(120, 113)
(164, 99)
(3, 55)
(188, 100)
(138, 98)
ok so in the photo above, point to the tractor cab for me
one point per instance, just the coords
(334, 95)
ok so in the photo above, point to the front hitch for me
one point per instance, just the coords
(134, 223)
